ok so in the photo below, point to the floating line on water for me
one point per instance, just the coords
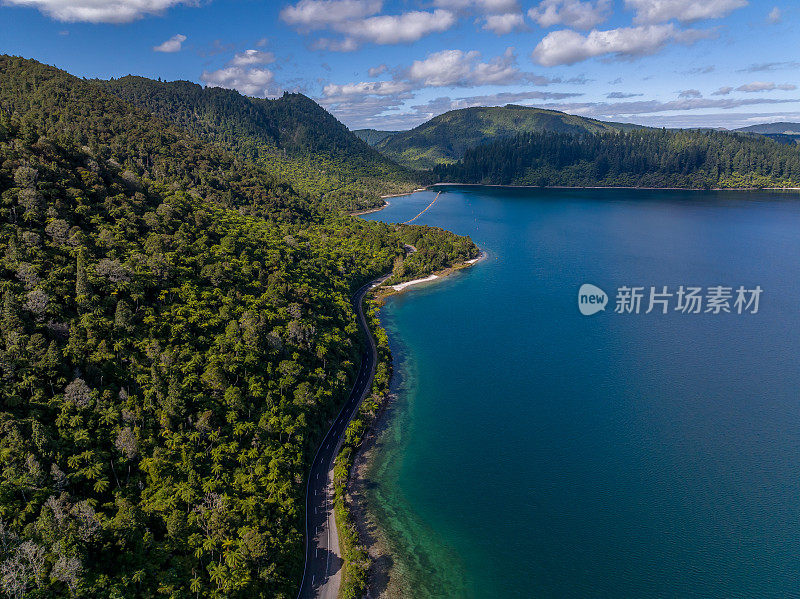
(409, 221)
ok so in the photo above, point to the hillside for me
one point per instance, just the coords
(373, 136)
(643, 158)
(292, 137)
(444, 139)
(783, 127)
(176, 333)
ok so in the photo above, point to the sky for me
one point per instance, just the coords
(393, 64)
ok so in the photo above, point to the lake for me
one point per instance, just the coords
(536, 452)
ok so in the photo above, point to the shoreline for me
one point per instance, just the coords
(385, 203)
(406, 193)
(370, 210)
(382, 293)
(371, 535)
(595, 187)
(452, 184)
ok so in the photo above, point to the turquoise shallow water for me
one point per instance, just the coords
(536, 452)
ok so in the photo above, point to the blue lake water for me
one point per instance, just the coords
(536, 452)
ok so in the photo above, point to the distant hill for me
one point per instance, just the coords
(373, 136)
(445, 138)
(764, 128)
(292, 136)
(643, 158)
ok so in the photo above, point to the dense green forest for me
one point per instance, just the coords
(445, 138)
(292, 137)
(641, 158)
(176, 331)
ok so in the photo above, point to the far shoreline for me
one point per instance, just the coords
(594, 187)
(452, 184)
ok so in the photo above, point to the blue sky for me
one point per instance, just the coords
(393, 64)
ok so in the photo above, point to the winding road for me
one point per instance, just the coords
(323, 562)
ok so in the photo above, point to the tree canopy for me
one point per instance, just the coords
(176, 332)
(640, 158)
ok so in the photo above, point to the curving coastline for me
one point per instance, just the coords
(381, 581)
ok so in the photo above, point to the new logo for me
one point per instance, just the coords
(591, 299)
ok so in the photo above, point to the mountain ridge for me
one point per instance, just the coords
(292, 136)
(445, 138)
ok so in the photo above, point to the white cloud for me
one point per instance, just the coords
(363, 103)
(625, 109)
(357, 29)
(395, 29)
(379, 70)
(701, 70)
(690, 93)
(448, 68)
(723, 91)
(360, 22)
(456, 68)
(251, 57)
(173, 44)
(319, 14)
(483, 6)
(572, 13)
(770, 66)
(99, 11)
(253, 82)
(347, 44)
(334, 92)
(764, 86)
(569, 47)
(775, 15)
(686, 11)
(621, 95)
(505, 23)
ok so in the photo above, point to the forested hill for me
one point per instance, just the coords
(292, 137)
(176, 332)
(47, 101)
(444, 139)
(372, 136)
(786, 128)
(642, 158)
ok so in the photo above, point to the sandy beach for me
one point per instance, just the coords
(401, 286)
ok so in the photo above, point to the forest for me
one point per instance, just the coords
(445, 138)
(291, 136)
(639, 158)
(176, 331)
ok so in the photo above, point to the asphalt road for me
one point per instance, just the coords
(323, 565)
